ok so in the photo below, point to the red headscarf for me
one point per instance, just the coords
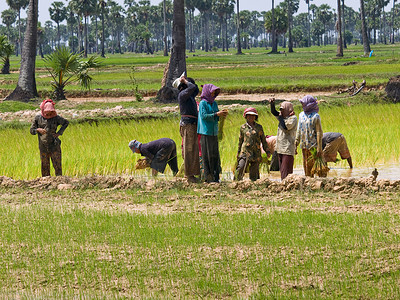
(47, 105)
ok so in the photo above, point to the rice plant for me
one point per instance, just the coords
(372, 134)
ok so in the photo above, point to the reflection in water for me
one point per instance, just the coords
(391, 172)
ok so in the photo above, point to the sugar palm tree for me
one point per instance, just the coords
(6, 50)
(177, 60)
(17, 5)
(26, 86)
(367, 48)
(58, 13)
(339, 52)
(66, 67)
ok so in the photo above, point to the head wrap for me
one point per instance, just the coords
(134, 144)
(47, 105)
(310, 104)
(286, 109)
(206, 92)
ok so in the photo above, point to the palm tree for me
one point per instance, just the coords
(239, 47)
(103, 5)
(177, 60)
(205, 6)
(8, 17)
(66, 67)
(273, 31)
(292, 7)
(58, 13)
(84, 8)
(339, 52)
(6, 50)
(308, 22)
(17, 5)
(367, 48)
(26, 86)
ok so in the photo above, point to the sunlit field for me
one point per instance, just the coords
(372, 133)
(314, 68)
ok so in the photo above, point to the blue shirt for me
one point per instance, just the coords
(208, 120)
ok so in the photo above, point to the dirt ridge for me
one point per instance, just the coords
(291, 183)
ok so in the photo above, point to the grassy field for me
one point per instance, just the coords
(203, 243)
(315, 68)
(372, 133)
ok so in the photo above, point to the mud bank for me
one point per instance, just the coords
(291, 183)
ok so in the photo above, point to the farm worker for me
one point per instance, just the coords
(188, 91)
(332, 143)
(309, 132)
(271, 142)
(286, 136)
(207, 127)
(160, 153)
(249, 151)
(45, 126)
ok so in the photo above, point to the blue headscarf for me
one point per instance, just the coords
(134, 144)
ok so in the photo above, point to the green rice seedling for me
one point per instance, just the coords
(372, 133)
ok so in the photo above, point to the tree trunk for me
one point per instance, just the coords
(26, 86)
(273, 33)
(290, 42)
(308, 24)
(239, 47)
(367, 48)
(86, 36)
(19, 31)
(177, 60)
(343, 27)
(339, 52)
(102, 34)
(165, 29)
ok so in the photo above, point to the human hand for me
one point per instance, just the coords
(222, 113)
(41, 131)
(271, 100)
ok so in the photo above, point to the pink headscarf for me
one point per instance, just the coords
(47, 105)
(206, 92)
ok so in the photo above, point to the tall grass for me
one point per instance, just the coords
(372, 134)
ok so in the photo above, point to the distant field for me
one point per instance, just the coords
(315, 68)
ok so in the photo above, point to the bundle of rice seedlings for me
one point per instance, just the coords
(142, 163)
(221, 127)
(265, 162)
(320, 166)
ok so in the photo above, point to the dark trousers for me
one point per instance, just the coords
(254, 169)
(211, 159)
(55, 159)
(286, 165)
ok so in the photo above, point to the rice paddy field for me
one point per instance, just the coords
(372, 133)
(314, 68)
(175, 240)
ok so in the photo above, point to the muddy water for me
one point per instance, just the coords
(391, 172)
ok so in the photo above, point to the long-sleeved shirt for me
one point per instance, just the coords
(47, 142)
(188, 105)
(150, 149)
(250, 140)
(208, 119)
